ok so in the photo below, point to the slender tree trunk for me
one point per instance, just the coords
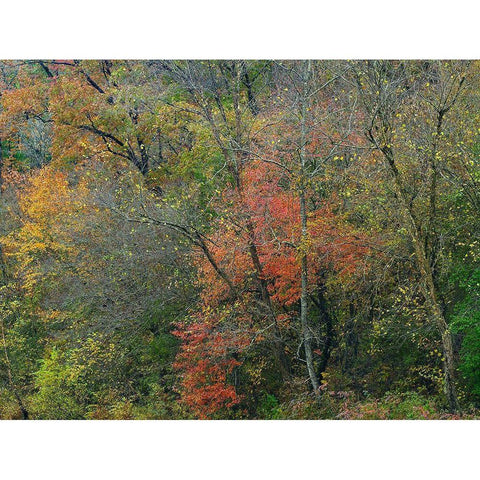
(237, 161)
(306, 332)
(279, 344)
(327, 321)
(351, 341)
(431, 247)
(252, 101)
(430, 294)
(427, 285)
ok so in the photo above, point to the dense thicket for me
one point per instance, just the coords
(239, 239)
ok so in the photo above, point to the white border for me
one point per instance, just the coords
(239, 29)
(239, 449)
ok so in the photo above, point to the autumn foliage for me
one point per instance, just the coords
(268, 215)
(239, 239)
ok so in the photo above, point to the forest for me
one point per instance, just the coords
(239, 239)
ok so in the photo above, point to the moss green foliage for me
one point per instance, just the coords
(466, 322)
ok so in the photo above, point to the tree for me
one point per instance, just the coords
(387, 90)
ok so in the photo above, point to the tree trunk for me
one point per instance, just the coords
(237, 160)
(279, 344)
(327, 321)
(427, 286)
(306, 332)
